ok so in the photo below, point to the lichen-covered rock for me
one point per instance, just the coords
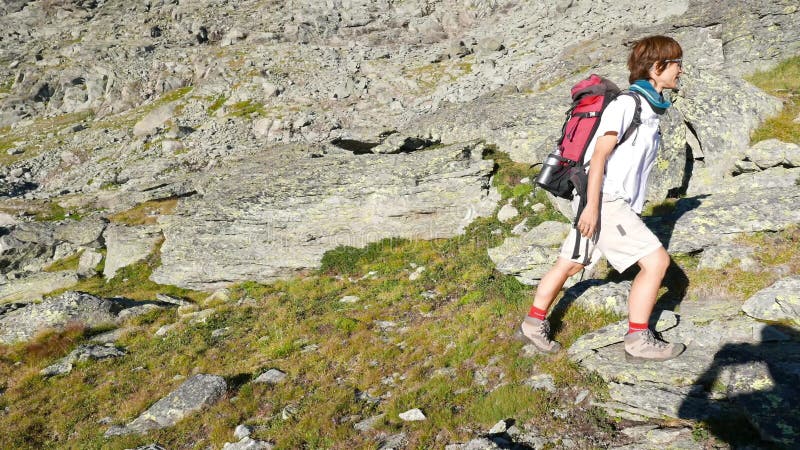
(33, 287)
(88, 262)
(732, 367)
(722, 111)
(56, 312)
(529, 256)
(779, 302)
(82, 353)
(84, 233)
(128, 244)
(244, 231)
(597, 294)
(194, 394)
(707, 220)
(772, 152)
(719, 256)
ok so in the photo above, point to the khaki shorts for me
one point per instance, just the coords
(623, 238)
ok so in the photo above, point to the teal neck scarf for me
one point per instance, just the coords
(656, 100)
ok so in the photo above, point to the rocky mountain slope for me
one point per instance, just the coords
(240, 141)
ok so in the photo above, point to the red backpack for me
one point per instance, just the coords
(565, 168)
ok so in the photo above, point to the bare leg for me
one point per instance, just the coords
(553, 281)
(645, 286)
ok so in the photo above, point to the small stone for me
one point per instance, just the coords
(412, 415)
(109, 337)
(395, 441)
(581, 396)
(185, 310)
(271, 376)
(349, 299)
(247, 443)
(219, 332)
(368, 424)
(542, 381)
(539, 207)
(366, 397)
(385, 325)
(309, 348)
(416, 274)
(506, 213)
(88, 262)
(221, 295)
(520, 228)
(15, 151)
(242, 431)
(499, 427)
(165, 329)
(172, 300)
(288, 412)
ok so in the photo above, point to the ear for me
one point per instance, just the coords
(654, 69)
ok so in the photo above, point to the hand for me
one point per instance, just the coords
(587, 222)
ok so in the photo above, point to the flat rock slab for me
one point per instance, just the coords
(56, 312)
(33, 287)
(734, 367)
(195, 393)
(779, 302)
(268, 216)
(128, 244)
(709, 220)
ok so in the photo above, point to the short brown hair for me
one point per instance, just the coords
(649, 50)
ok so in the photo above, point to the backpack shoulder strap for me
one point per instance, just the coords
(637, 115)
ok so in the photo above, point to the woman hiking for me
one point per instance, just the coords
(616, 191)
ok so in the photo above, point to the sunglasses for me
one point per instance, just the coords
(678, 61)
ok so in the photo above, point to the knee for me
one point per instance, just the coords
(568, 268)
(656, 263)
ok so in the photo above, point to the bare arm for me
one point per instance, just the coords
(587, 223)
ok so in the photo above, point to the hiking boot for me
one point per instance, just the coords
(645, 346)
(537, 332)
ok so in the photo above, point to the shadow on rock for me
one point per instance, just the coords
(750, 394)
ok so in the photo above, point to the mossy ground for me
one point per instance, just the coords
(783, 81)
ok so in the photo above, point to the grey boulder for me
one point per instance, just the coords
(779, 302)
(55, 312)
(194, 394)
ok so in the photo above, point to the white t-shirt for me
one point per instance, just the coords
(630, 164)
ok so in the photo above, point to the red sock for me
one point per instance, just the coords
(635, 327)
(537, 313)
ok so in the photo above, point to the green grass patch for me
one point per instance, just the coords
(247, 109)
(145, 213)
(67, 263)
(783, 81)
(133, 282)
(216, 104)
